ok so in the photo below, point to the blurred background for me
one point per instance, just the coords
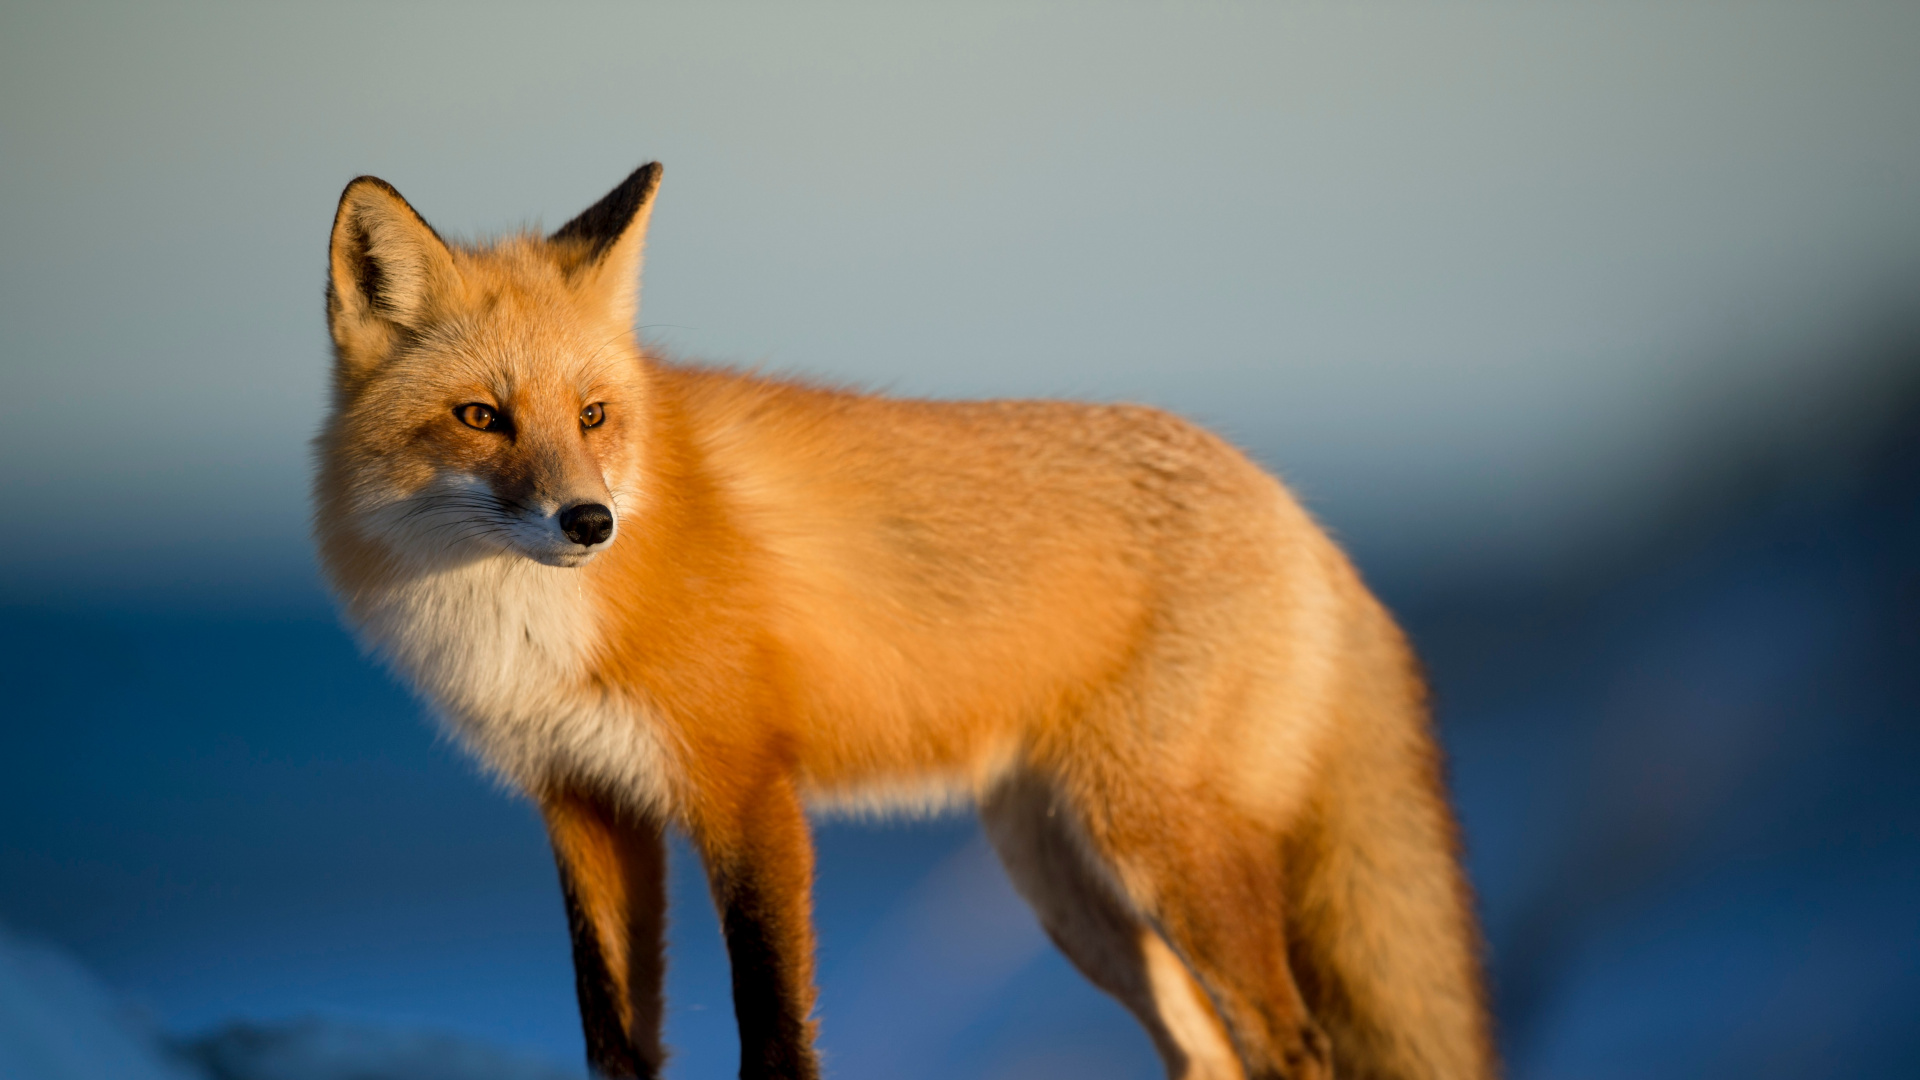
(1593, 330)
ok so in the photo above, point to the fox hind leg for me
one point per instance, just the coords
(1099, 932)
(1211, 881)
(1215, 889)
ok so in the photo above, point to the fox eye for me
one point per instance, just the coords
(592, 415)
(477, 416)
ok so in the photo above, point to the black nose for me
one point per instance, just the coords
(586, 524)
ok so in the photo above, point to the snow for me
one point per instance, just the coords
(58, 1023)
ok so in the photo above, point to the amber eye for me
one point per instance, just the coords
(477, 416)
(592, 415)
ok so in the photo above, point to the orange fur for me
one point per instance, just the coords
(1199, 741)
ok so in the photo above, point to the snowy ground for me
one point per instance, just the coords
(58, 1023)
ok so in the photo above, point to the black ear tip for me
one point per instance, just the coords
(604, 221)
(639, 185)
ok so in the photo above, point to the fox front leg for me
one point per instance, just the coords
(759, 859)
(613, 876)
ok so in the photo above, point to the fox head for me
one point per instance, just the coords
(487, 399)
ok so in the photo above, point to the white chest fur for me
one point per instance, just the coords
(501, 648)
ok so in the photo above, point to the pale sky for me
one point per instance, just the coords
(1484, 281)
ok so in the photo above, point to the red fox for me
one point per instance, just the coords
(653, 596)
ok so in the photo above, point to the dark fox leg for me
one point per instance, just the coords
(759, 858)
(613, 875)
(1109, 942)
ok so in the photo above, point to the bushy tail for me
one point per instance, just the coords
(1385, 944)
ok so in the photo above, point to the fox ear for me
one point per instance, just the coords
(388, 270)
(600, 250)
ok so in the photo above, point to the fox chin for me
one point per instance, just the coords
(659, 597)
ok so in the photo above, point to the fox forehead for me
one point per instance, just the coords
(516, 333)
(513, 363)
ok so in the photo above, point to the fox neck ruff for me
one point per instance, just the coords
(503, 650)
